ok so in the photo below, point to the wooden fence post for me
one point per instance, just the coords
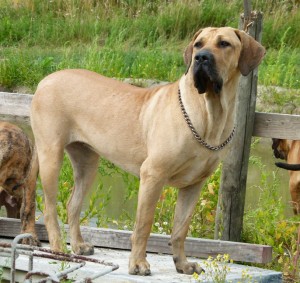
(230, 210)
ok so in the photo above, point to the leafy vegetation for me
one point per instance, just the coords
(267, 224)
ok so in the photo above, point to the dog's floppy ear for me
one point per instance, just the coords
(251, 54)
(187, 55)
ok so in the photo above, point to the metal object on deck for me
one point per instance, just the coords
(14, 249)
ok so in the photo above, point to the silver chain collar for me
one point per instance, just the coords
(196, 135)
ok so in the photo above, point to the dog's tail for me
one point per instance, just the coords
(292, 167)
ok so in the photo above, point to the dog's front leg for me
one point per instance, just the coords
(186, 202)
(149, 192)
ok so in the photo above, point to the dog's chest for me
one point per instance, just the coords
(194, 170)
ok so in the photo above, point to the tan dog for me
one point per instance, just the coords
(144, 132)
(18, 174)
(289, 150)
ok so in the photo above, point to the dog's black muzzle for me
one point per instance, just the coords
(205, 72)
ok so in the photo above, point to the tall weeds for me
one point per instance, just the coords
(140, 22)
(280, 67)
(139, 39)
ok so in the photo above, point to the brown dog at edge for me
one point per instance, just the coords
(18, 175)
(289, 150)
(143, 131)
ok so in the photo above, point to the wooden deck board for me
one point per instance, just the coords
(120, 239)
(162, 269)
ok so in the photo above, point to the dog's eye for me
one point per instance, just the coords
(198, 44)
(224, 43)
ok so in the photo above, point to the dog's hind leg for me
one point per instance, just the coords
(85, 163)
(186, 202)
(50, 161)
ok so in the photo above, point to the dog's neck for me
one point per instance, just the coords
(216, 109)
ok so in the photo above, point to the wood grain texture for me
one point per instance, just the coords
(232, 193)
(118, 239)
(16, 107)
(280, 126)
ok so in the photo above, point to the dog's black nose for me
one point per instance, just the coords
(203, 56)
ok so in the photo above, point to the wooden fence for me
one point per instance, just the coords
(15, 107)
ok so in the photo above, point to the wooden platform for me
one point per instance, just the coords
(120, 239)
(162, 269)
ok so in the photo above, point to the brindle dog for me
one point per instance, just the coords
(18, 174)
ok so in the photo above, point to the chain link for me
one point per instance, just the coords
(196, 135)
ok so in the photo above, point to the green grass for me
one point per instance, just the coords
(27, 67)
(139, 39)
(282, 66)
(44, 23)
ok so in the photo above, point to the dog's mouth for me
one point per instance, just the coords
(205, 73)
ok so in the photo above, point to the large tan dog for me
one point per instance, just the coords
(144, 132)
(289, 150)
(18, 174)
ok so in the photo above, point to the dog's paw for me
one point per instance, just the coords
(34, 241)
(189, 268)
(139, 267)
(83, 249)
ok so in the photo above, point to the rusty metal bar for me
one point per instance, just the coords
(14, 255)
(102, 273)
(54, 277)
(50, 276)
(15, 249)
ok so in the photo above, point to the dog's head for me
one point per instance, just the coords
(216, 55)
(280, 148)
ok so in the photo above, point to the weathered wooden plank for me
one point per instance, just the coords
(15, 107)
(118, 239)
(15, 103)
(281, 126)
(232, 193)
